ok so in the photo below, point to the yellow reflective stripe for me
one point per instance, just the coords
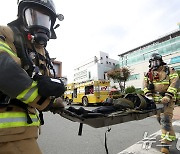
(172, 90)
(18, 124)
(17, 119)
(14, 114)
(174, 75)
(168, 137)
(145, 78)
(5, 47)
(157, 98)
(162, 82)
(146, 90)
(28, 95)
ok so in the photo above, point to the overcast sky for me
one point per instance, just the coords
(112, 26)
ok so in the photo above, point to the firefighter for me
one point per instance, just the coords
(27, 85)
(160, 84)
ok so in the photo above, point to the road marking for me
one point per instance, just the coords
(151, 144)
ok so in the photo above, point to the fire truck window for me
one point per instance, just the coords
(89, 90)
(75, 93)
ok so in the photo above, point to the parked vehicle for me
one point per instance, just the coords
(89, 92)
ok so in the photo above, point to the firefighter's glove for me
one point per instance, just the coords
(49, 87)
(57, 106)
(165, 100)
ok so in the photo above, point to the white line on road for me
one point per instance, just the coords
(145, 145)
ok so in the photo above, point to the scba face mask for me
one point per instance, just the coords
(38, 24)
(155, 64)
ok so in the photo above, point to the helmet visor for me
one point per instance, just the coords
(37, 18)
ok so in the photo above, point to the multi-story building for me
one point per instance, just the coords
(57, 67)
(58, 70)
(138, 59)
(95, 68)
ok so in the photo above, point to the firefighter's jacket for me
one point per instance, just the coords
(18, 85)
(165, 82)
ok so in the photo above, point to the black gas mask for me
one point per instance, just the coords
(38, 24)
(155, 64)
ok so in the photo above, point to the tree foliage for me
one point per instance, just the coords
(178, 72)
(130, 89)
(119, 75)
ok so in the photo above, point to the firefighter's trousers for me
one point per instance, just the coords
(165, 120)
(26, 146)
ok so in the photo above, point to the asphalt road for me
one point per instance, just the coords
(60, 136)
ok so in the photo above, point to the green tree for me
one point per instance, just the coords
(178, 71)
(119, 75)
(130, 89)
(178, 93)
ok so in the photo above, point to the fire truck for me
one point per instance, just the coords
(88, 92)
(68, 95)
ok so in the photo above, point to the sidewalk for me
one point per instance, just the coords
(176, 113)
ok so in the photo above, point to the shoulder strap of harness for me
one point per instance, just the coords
(167, 70)
(21, 49)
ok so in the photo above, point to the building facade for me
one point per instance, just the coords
(58, 68)
(57, 65)
(95, 68)
(138, 59)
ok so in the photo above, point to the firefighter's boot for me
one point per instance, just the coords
(165, 146)
(165, 149)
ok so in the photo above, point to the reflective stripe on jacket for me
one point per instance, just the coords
(14, 119)
(5, 47)
(164, 84)
(29, 94)
(17, 119)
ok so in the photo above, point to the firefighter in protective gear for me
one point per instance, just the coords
(160, 84)
(26, 82)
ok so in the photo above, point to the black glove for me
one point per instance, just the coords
(49, 87)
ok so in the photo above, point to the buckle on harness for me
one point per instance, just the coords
(5, 100)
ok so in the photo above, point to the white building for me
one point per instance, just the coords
(138, 59)
(95, 68)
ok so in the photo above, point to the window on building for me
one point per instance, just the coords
(175, 60)
(106, 62)
(106, 56)
(177, 67)
(104, 76)
(143, 54)
(110, 63)
(101, 58)
(89, 75)
(134, 77)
